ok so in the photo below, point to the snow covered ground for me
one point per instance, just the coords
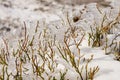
(52, 20)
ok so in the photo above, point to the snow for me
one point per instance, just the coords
(49, 19)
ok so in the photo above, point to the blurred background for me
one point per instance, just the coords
(78, 1)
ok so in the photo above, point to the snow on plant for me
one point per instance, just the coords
(98, 35)
(42, 57)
